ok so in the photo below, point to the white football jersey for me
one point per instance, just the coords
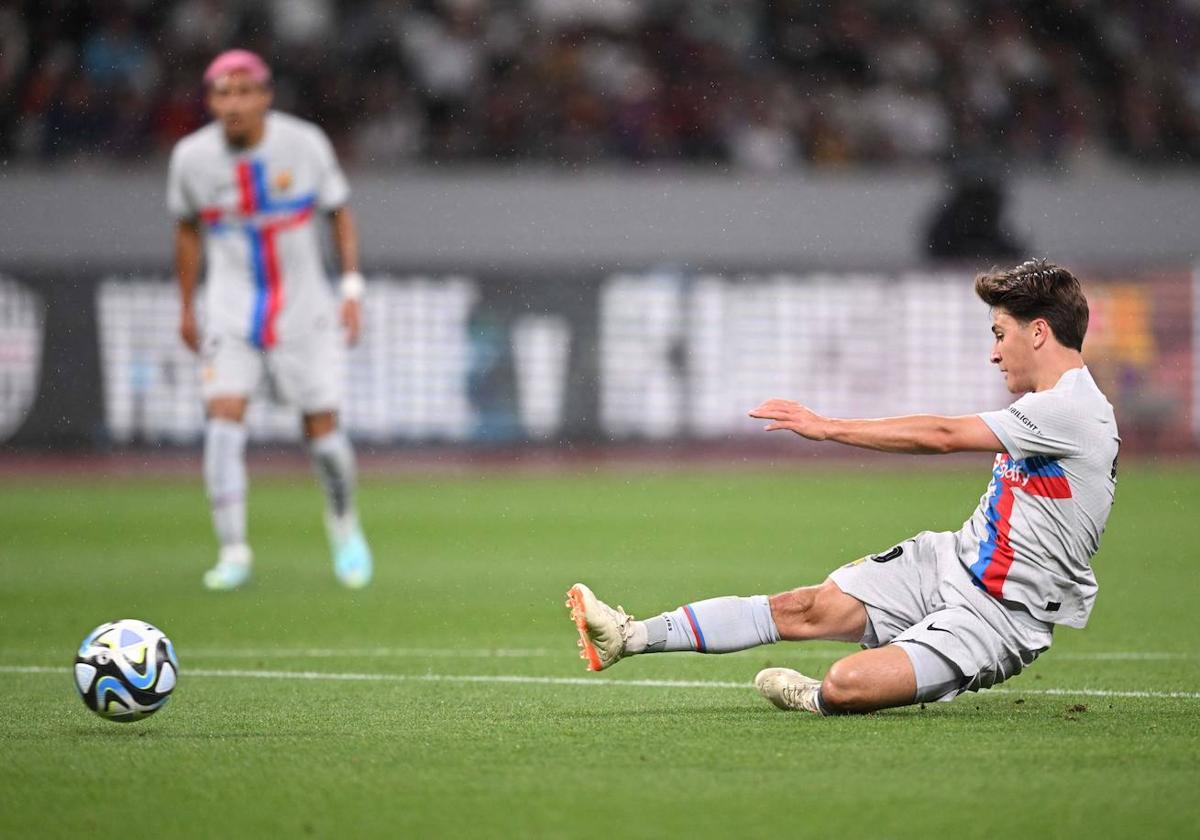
(265, 275)
(1032, 538)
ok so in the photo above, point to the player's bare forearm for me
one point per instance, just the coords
(187, 260)
(921, 434)
(918, 434)
(187, 270)
(345, 239)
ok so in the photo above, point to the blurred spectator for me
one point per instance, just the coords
(14, 58)
(759, 85)
(115, 55)
(202, 26)
(300, 24)
(74, 122)
(762, 142)
(14, 47)
(389, 133)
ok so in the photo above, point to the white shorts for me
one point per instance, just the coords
(306, 371)
(919, 593)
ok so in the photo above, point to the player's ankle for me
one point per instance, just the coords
(237, 553)
(341, 526)
(636, 638)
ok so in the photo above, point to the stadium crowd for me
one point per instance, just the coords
(757, 85)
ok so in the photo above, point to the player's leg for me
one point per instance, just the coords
(226, 484)
(231, 369)
(967, 640)
(897, 589)
(972, 643)
(818, 612)
(309, 370)
(333, 460)
(715, 625)
(862, 682)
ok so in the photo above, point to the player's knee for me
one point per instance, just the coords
(816, 612)
(232, 409)
(794, 608)
(320, 424)
(845, 687)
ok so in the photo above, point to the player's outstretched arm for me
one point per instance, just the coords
(915, 433)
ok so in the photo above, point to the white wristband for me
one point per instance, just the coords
(353, 285)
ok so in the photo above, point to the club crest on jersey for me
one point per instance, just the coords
(283, 180)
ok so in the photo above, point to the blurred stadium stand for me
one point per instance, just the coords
(758, 86)
(607, 220)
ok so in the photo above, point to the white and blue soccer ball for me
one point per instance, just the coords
(126, 670)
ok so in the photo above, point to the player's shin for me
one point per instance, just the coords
(333, 459)
(225, 479)
(717, 625)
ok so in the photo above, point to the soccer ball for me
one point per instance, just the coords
(126, 670)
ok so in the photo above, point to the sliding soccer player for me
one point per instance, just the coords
(939, 613)
(250, 186)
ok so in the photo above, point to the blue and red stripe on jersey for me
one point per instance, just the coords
(1035, 476)
(262, 218)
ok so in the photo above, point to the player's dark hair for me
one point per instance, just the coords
(1039, 289)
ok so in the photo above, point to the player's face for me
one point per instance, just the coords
(240, 104)
(1013, 351)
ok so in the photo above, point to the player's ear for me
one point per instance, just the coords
(1039, 331)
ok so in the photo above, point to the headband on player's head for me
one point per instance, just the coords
(238, 61)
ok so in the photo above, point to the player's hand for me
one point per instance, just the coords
(189, 331)
(351, 319)
(791, 416)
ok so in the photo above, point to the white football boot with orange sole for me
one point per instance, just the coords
(603, 631)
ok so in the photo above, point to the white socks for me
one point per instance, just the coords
(225, 479)
(718, 625)
(333, 459)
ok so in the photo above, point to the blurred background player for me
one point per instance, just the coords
(940, 613)
(249, 184)
(969, 223)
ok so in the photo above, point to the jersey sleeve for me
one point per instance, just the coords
(1037, 424)
(179, 201)
(332, 189)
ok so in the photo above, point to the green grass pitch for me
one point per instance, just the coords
(448, 700)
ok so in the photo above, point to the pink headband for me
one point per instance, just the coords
(238, 61)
